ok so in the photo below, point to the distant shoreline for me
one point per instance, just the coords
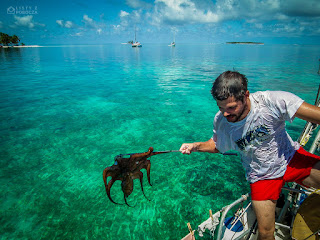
(25, 46)
(256, 43)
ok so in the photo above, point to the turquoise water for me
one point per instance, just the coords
(66, 111)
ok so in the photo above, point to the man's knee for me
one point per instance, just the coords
(266, 233)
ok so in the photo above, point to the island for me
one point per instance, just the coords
(7, 41)
(257, 43)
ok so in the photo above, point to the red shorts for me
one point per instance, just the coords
(297, 170)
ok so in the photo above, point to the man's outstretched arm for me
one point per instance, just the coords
(208, 146)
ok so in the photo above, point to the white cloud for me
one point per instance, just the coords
(182, 12)
(309, 8)
(66, 24)
(135, 16)
(174, 12)
(78, 34)
(138, 4)
(124, 14)
(26, 21)
(60, 22)
(295, 17)
(259, 25)
(117, 28)
(89, 22)
(128, 19)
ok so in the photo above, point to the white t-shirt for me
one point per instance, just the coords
(264, 145)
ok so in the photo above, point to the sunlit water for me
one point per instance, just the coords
(66, 112)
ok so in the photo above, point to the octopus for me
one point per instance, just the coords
(127, 169)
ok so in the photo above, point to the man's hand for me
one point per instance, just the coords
(187, 148)
(208, 146)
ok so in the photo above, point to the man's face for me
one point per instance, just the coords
(233, 110)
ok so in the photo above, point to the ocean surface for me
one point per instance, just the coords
(67, 111)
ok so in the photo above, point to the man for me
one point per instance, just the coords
(254, 125)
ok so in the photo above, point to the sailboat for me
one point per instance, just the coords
(173, 44)
(136, 43)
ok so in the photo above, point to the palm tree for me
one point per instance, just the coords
(15, 40)
(5, 39)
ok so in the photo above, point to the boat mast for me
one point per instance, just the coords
(135, 33)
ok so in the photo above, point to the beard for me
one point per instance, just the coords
(237, 117)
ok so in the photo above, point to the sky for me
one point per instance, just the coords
(53, 22)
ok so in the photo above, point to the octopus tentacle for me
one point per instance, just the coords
(143, 155)
(147, 166)
(108, 188)
(127, 187)
(148, 171)
(125, 200)
(107, 172)
(140, 176)
(110, 172)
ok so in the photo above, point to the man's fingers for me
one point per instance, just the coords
(185, 149)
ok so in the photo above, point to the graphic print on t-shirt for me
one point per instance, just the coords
(259, 133)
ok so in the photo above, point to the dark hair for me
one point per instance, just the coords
(230, 84)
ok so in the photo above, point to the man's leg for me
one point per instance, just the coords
(304, 168)
(265, 212)
(313, 180)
